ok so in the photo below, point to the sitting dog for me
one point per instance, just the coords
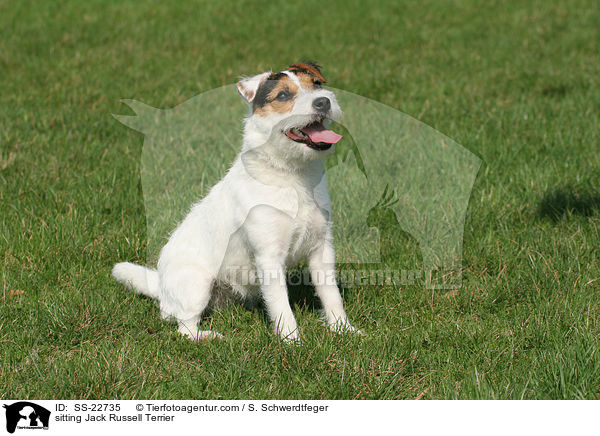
(269, 212)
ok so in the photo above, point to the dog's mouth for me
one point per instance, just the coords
(315, 135)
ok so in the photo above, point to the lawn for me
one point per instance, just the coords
(516, 83)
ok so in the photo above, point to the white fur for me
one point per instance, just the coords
(269, 212)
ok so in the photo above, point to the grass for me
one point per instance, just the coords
(515, 83)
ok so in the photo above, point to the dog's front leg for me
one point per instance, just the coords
(275, 297)
(267, 231)
(321, 263)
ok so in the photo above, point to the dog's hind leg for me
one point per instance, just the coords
(186, 294)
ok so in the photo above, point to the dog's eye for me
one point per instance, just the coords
(318, 84)
(283, 96)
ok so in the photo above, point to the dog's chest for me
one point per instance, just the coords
(308, 229)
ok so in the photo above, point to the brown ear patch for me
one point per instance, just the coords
(264, 90)
(307, 81)
(310, 68)
(266, 101)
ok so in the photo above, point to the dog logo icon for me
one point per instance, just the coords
(26, 415)
(391, 179)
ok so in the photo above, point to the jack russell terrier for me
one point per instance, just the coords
(269, 212)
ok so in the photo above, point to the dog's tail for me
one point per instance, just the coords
(137, 278)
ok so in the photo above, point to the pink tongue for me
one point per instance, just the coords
(318, 133)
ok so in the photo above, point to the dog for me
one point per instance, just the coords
(270, 211)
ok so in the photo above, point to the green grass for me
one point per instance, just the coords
(515, 83)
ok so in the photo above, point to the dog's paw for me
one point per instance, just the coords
(207, 335)
(200, 335)
(292, 341)
(292, 338)
(345, 327)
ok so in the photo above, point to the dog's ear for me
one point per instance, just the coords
(248, 86)
(309, 67)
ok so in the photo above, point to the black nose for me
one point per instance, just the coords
(322, 104)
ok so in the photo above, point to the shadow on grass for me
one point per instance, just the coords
(567, 201)
(302, 295)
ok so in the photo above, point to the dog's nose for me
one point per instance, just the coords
(322, 104)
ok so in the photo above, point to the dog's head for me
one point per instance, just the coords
(290, 112)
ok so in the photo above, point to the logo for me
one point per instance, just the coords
(395, 183)
(26, 415)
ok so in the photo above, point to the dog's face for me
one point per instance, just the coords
(290, 112)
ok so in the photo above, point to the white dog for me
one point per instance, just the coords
(269, 212)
